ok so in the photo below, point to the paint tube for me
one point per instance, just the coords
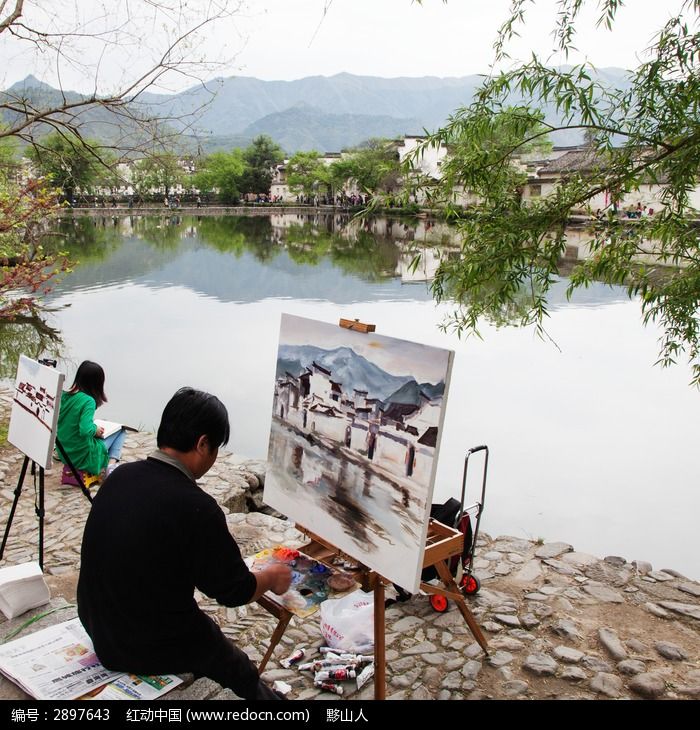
(331, 655)
(329, 686)
(339, 674)
(354, 658)
(325, 664)
(339, 659)
(365, 675)
(317, 665)
(297, 656)
(345, 656)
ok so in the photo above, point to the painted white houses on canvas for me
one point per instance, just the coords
(36, 401)
(35, 410)
(397, 437)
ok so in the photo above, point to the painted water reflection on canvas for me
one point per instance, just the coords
(354, 441)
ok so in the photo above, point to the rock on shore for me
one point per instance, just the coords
(560, 624)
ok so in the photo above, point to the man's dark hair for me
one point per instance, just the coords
(190, 414)
(90, 379)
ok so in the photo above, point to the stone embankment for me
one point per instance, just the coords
(253, 210)
(560, 624)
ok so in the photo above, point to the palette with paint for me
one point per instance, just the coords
(312, 582)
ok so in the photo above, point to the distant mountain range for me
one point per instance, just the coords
(95, 121)
(304, 127)
(317, 112)
(355, 372)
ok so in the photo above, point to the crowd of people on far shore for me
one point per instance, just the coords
(175, 201)
(640, 211)
(342, 199)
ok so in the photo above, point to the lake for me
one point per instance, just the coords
(589, 442)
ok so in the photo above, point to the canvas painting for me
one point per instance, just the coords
(354, 441)
(34, 414)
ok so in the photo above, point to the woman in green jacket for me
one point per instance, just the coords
(78, 433)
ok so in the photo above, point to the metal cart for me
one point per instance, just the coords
(467, 522)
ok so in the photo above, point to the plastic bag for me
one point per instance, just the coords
(347, 623)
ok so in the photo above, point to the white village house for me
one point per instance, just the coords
(427, 163)
(563, 162)
(280, 190)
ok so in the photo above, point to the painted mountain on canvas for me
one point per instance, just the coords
(355, 372)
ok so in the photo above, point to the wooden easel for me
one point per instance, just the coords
(442, 544)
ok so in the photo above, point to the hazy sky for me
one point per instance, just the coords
(403, 38)
(290, 39)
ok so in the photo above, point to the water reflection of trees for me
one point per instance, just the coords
(359, 247)
(360, 253)
(164, 233)
(373, 249)
(28, 335)
(238, 235)
(352, 249)
(94, 238)
(307, 242)
(87, 239)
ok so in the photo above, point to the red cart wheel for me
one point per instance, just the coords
(438, 602)
(470, 585)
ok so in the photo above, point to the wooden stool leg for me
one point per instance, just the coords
(275, 638)
(448, 580)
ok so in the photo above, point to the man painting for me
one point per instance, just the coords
(152, 537)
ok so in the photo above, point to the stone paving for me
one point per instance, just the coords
(560, 624)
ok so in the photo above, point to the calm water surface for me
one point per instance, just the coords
(590, 444)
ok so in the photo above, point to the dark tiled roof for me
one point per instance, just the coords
(429, 438)
(587, 161)
(575, 161)
(321, 369)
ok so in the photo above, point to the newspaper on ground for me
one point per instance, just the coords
(136, 687)
(59, 663)
(56, 663)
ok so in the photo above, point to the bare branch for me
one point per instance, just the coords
(13, 16)
(27, 118)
